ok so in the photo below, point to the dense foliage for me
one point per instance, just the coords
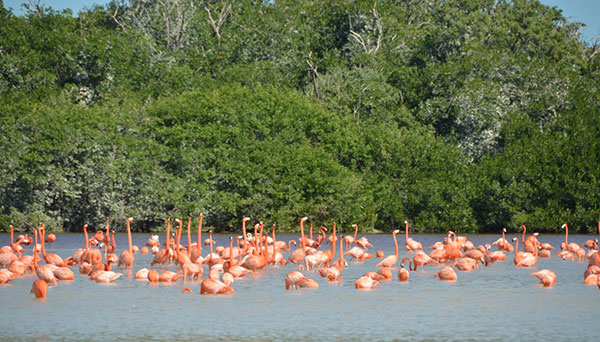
(468, 115)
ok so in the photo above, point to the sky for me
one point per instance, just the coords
(584, 11)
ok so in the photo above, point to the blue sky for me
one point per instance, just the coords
(585, 11)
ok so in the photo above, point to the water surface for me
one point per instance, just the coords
(496, 303)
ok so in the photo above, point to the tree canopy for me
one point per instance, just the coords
(470, 115)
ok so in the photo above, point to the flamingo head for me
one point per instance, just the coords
(245, 219)
(396, 231)
(304, 219)
(536, 234)
(515, 239)
(504, 230)
(563, 226)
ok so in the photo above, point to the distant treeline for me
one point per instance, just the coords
(470, 115)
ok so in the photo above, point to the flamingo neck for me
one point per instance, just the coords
(395, 244)
(567, 235)
(35, 253)
(311, 232)
(503, 235)
(167, 243)
(333, 242)
(87, 241)
(524, 230)
(129, 237)
(210, 242)
(244, 234)
(341, 253)
(199, 243)
(302, 234)
(406, 232)
(231, 252)
(12, 237)
(355, 231)
(43, 242)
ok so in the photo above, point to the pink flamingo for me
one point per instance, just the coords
(50, 258)
(126, 258)
(547, 278)
(39, 289)
(297, 255)
(365, 283)
(214, 286)
(403, 274)
(410, 244)
(390, 260)
(447, 274)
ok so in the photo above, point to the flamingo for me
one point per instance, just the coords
(422, 259)
(214, 286)
(168, 277)
(334, 272)
(51, 238)
(592, 244)
(547, 278)
(126, 258)
(105, 277)
(64, 273)
(403, 274)
(410, 244)
(16, 247)
(142, 274)
(299, 253)
(465, 264)
(50, 258)
(359, 254)
(363, 241)
(153, 276)
(349, 239)
(447, 274)
(164, 254)
(503, 243)
(568, 246)
(43, 272)
(390, 260)
(527, 259)
(6, 276)
(39, 289)
(197, 248)
(492, 257)
(365, 283)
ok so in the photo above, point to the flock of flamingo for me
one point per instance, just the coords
(259, 250)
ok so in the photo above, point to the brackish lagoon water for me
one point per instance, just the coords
(495, 303)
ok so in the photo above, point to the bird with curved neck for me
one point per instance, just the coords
(390, 260)
(164, 254)
(298, 254)
(197, 248)
(126, 258)
(411, 245)
(363, 241)
(566, 245)
(50, 258)
(547, 277)
(403, 274)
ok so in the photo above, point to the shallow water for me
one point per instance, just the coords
(495, 303)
